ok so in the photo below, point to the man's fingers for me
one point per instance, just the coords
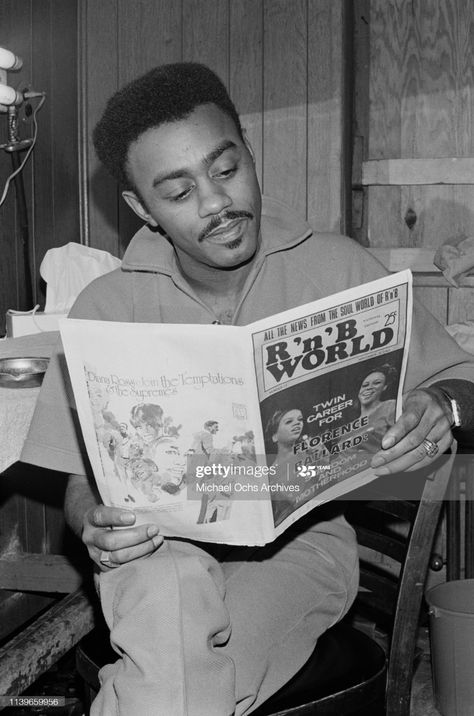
(413, 459)
(102, 516)
(412, 442)
(402, 445)
(404, 426)
(113, 559)
(113, 540)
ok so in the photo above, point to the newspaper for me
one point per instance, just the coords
(230, 434)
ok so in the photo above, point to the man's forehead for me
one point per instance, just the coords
(207, 160)
(203, 135)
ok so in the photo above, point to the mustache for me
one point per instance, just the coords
(217, 221)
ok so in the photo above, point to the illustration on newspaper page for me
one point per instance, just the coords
(229, 434)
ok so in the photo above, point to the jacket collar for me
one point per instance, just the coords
(281, 228)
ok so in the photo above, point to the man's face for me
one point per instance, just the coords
(171, 464)
(195, 178)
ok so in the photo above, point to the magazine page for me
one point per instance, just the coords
(330, 377)
(171, 425)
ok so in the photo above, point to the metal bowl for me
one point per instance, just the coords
(22, 372)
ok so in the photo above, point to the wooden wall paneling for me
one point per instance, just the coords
(421, 80)
(445, 78)
(393, 52)
(465, 77)
(15, 23)
(438, 215)
(64, 127)
(391, 46)
(56, 541)
(442, 212)
(149, 34)
(436, 170)
(43, 522)
(42, 214)
(461, 305)
(435, 300)
(285, 102)
(326, 113)
(463, 201)
(44, 34)
(21, 44)
(205, 34)
(98, 81)
(246, 70)
(9, 289)
(15, 609)
(360, 116)
(421, 107)
(260, 50)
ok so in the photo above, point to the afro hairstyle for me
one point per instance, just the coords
(167, 93)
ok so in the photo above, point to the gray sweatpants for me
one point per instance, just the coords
(210, 631)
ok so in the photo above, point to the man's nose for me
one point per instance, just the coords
(212, 199)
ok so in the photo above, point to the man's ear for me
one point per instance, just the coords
(247, 144)
(136, 205)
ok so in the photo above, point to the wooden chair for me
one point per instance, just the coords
(349, 672)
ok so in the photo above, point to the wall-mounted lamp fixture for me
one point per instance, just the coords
(13, 63)
(9, 61)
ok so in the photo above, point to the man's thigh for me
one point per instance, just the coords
(281, 598)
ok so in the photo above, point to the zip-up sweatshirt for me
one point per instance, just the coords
(293, 266)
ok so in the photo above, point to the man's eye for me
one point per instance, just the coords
(225, 173)
(182, 195)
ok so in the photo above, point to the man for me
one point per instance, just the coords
(207, 630)
(203, 442)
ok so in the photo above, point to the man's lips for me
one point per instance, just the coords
(229, 223)
(227, 231)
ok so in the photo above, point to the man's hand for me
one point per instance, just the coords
(423, 417)
(109, 547)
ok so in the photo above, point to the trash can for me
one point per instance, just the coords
(451, 609)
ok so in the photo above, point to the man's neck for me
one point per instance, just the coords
(219, 289)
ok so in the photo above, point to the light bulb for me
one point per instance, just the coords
(9, 96)
(9, 61)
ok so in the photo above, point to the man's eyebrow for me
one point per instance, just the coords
(207, 161)
(220, 149)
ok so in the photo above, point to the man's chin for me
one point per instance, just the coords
(234, 254)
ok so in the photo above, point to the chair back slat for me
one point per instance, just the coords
(391, 546)
(380, 590)
(412, 583)
(400, 533)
